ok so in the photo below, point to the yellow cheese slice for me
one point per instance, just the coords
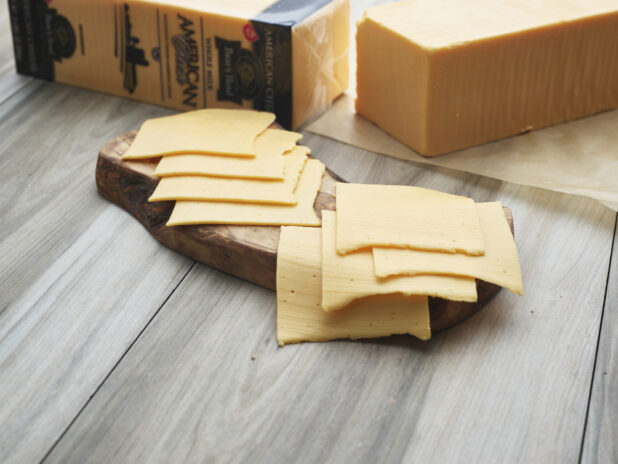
(242, 190)
(499, 265)
(267, 164)
(347, 278)
(299, 293)
(216, 131)
(303, 214)
(405, 217)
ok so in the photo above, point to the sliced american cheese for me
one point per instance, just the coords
(350, 277)
(303, 214)
(267, 164)
(299, 293)
(241, 190)
(405, 217)
(216, 131)
(499, 265)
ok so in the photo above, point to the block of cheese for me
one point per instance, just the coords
(215, 131)
(406, 217)
(350, 277)
(286, 57)
(267, 164)
(228, 189)
(499, 265)
(302, 214)
(299, 293)
(443, 75)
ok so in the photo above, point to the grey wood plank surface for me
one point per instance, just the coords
(601, 435)
(206, 381)
(80, 278)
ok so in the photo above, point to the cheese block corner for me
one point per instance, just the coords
(444, 75)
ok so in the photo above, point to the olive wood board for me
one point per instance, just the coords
(248, 252)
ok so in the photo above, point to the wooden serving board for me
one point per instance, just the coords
(248, 252)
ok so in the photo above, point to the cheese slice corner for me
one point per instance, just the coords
(499, 265)
(224, 132)
(405, 217)
(301, 214)
(299, 314)
(346, 278)
(202, 188)
(268, 164)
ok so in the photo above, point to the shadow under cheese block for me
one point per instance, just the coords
(446, 75)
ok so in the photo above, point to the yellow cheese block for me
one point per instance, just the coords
(443, 75)
(216, 131)
(267, 164)
(350, 277)
(242, 190)
(299, 293)
(499, 265)
(406, 217)
(303, 214)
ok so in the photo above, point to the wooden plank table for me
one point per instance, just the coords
(116, 349)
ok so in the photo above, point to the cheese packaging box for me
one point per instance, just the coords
(288, 57)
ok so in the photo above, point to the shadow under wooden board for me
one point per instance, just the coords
(248, 252)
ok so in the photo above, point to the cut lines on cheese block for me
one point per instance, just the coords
(267, 164)
(299, 294)
(243, 190)
(206, 212)
(405, 217)
(347, 278)
(215, 131)
(499, 265)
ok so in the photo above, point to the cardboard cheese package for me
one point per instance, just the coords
(289, 57)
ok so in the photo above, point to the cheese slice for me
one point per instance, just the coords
(350, 277)
(216, 131)
(267, 164)
(499, 265)
(405, 217)
(299, 293)
(303, 214)
(443, 75)
(242, 190)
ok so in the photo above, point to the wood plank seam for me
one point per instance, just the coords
(116, 364)
(596, 354)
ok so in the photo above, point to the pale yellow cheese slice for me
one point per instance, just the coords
(406, 217)
(242, 190)
(267, 164)
(499, 265)
(299, 293)
(347, 278)
(216, 131)
(303, 214)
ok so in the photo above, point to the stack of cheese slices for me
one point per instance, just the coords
(368, 272)
(228, 167)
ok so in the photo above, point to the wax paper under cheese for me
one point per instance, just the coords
(347, 278)
(267, 164)
(242, 190)
(499, 265)
(215, 131)
(405, 217)
(209, 212)
(299, 314)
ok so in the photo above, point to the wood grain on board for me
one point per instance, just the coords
(248, 252)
